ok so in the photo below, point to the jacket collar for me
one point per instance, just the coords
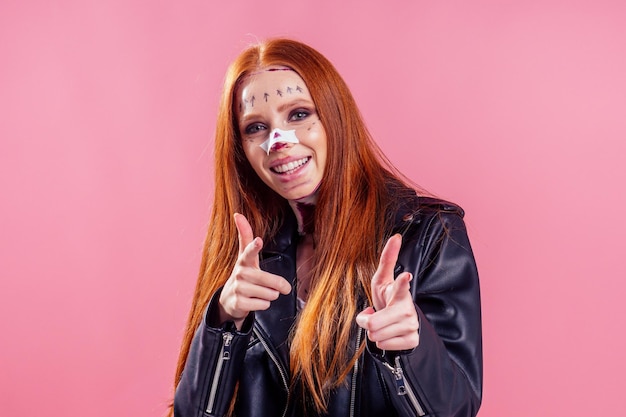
(279, 257)
(285, 238)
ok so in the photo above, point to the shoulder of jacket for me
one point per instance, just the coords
(438, 205)
(421, 208)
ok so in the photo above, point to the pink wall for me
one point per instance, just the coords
(516, 110)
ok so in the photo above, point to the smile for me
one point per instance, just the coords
(291, 166)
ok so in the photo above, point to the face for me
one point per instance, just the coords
(277, 98)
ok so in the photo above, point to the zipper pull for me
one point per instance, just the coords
(228, 337)
(402, 387)
(399, 374)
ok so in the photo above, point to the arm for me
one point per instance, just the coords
(442, 376)
(213, 366)
(219, 346)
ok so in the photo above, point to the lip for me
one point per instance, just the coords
(288, 176)
(286, 160)
(284, 165)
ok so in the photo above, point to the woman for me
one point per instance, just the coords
(327, 286)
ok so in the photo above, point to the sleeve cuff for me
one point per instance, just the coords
(212, 318)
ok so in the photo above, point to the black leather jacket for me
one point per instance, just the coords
(441, 377)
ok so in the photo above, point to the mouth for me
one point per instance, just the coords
(290, 167)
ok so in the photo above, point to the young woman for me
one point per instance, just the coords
(328, 286)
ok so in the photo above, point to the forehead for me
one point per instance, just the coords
(270, 83)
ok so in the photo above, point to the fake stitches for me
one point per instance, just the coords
(266, 96)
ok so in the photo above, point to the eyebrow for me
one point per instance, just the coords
(281, 108)
(293, 103)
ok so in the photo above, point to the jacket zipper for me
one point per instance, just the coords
(403, 388)
(281, 371)
(354, 375)
(224, 356)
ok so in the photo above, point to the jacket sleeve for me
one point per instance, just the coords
(212, 369)
(442, 376)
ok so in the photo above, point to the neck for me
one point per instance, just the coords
(304, 208)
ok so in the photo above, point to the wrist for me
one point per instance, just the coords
(223, 317)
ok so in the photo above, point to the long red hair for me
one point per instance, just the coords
(351, 225)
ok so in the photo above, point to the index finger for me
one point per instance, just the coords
(244, 231)
(388, 259)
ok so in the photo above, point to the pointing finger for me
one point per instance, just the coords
(383, 277)
(250, 254)
(244, 231)
(388, 258)
(249, 246)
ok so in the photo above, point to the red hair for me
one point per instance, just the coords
(352, 219)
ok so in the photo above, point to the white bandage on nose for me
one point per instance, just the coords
(277, 136)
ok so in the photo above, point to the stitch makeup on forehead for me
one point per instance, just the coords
(286, 92)
(280, 91)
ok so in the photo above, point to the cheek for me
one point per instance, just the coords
(250, 149)
(246, 146)
(254, 155)
(318, 138)
(314, 134)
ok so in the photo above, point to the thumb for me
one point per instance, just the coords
(400, 288)
(362, 319)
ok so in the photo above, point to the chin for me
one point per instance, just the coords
(299, 194)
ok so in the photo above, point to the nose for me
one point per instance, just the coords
(279, 140)
(279, 145)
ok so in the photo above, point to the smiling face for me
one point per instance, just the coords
(277, 98)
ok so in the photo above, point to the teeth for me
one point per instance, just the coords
(289, 166)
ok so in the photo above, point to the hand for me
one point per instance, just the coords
(248, 288)
(393, 323)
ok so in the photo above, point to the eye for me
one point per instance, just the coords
(254, 128)
(298, 115)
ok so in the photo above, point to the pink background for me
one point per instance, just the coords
(516, 110)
